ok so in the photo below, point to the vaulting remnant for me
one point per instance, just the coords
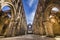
(12, 22)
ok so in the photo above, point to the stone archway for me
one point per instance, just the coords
(10, 27)
(51, 20)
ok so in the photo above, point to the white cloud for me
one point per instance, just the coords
(30, 2)
(55, 9)
(31, 17)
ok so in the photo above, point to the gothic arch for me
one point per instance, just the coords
(11, 5)
(48, 24)
(9, 29)
(48, 9)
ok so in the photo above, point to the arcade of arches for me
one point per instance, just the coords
(46, 20)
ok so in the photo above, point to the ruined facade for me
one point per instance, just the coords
(51, 17)
(46, 20)
(44, 23)
(17, 23)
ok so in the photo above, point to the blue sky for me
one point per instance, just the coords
(30, 9)
(5, 8)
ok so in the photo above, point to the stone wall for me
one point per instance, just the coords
(17, 24)
(38, 20)
(42, 24)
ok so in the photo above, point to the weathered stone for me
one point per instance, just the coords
(51, 17)
(12, 26)
(38, 20)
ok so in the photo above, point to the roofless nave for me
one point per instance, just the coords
(46, 20)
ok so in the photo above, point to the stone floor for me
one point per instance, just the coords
(30, 37)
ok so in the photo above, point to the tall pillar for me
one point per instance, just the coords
(38, 20)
